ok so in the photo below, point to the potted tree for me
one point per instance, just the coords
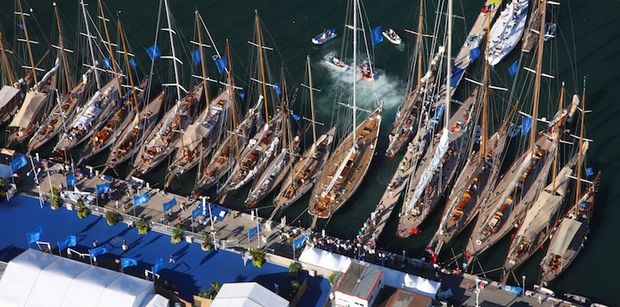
(258, 257)
(205, 245)
(294, 268)
(112, 217)
(177, 234)
(82, 210)
(204, 297)
(142, 226)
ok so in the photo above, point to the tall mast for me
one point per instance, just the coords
(419, 39)
(262, 66)
(541, 30)
(203, 67)
(446, 116)
(580, 155)
(485, 96)
(555, 157)
(232, 102)
(353, 72)
(110, 50)
(174, 53)
(33, 65)
(90, 45)
(5, 59)
(61, 45)
(311, 99)
(134, 95)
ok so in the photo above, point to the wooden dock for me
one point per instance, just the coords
(373, 227)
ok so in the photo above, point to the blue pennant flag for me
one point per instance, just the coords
(197, 212)
(94, 252)
(133, 63)
(169, 204)
(196, 57)
(69, 241)
(71, 180)
(295, 117)
(589, 172)
(18, 162)
(107, 64)
(20, 26)
(159, 264)
(299, 243)
(221, 64)
(34, 235)
(253, 232)
(513, 68)
(474, 54)
(377, 36)
(457, 74)
(102, 188)
(141, 199)
(241, 95)
(277, 89)
(154, 52)
(125, 262)
(526, 125)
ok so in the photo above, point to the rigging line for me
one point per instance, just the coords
(305, 210)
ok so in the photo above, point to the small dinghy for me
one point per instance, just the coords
(391, 35)
(324, 37)
(366, 71)
(335, 63)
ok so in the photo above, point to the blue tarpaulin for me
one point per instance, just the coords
(457, 74)
(221, 64)
(526, 125)
(18, 162)
(102, 188)
(474, 54)
(169, 204)
(35, 235)
(377, 36)
(513, 68)
(141, 199)
(154, 52)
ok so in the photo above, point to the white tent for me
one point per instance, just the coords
(325, 259)
(247, 294)
(35, 278)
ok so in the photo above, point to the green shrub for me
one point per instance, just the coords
(215, 288)
(258, 257)
(294, 268)
(142, 226)
(293, 290)
(331, 278)
(56, 201)
(82, 210)
(177, 234)
(112, 217)
(3, 189)
(203, 293)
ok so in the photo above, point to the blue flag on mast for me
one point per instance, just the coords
(125, 262)
(169, 204)
(253, 232)
(159, 264)
(154, 52)
(35, 235)
(526, 125)
(299, 243)
(18, 162)
(102, 188)
(221, 64)
(512, 70)
(377, 35)
(196, 57)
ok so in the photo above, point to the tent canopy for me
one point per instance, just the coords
(247, 294)
(325, 259)
(35, 278)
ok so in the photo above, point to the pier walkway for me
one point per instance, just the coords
(373, 227)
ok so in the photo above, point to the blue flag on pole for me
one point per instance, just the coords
(125, 262)
(154, 52)
(20, 26)
(253, 232)
(377, 36)
(133, 63)
(221, 64)
(141, 199)
(94, 252)
(474, 54)
(526, 125)
(169, 204)
(241, 95)
(159, 264)
(18, 162)
(107, 64)
(589, 172)
(196, 57)
(34, 235)
(513, 68)
(102, 188)
(71, 180)
(67, 242)
(457, 74)
(197, 212)
(277, 89)
(295, 117)
(299, 243)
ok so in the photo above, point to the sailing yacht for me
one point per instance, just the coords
(306, 170)
(350, 161)
(12, 94)
(507, 30)
(571, 233)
